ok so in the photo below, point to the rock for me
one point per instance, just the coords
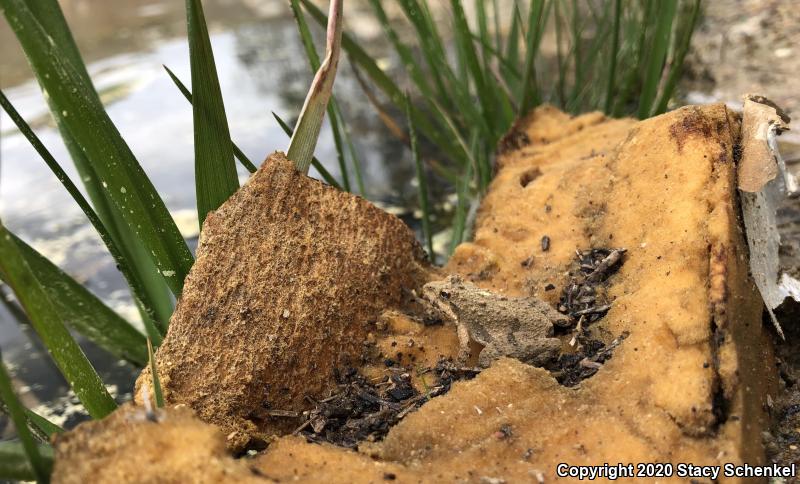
(690, 381)
(290, 276)
(128, 446)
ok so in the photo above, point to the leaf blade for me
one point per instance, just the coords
(17, 413)
(56, 281)
(49, 326)
(159, 395)
(306, 132)
(666, 13)
(422, 184)
(326, 175)
(237, 152)
(14, 464)
(124, 182)
(215, 169)
(153, 293)
(83, 311)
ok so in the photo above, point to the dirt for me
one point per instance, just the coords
(743, 47)
(588, 357)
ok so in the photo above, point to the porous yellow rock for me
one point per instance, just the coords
(169, 446)
(689, 384)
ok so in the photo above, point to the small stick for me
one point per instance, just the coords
(605, 264)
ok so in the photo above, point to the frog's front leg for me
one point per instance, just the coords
(463, 343)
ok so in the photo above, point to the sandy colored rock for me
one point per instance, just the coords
(292, 459)
(129, 447)
(290, 277)
(689, 384)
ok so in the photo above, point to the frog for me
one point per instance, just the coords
(520, 328)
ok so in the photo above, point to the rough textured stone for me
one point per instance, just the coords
(129, 447)
(289, 278)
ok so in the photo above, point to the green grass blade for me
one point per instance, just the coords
(512, 70)
(14, 465)
(413, 67)
(466, 154)
(155, 300)
(351, 149)
(41, 428)
(338, 126)
(576, 31)
(83, 311)
(483, 29)
(48, 324)
(237, 152)
(530, 88)
(462, 208)
(498, 30)
(666, 10)
(422, 180)
(453, 91)
(159, 395)
(637, 30)
(359, 57)
(676, 65)
(612, 65)
(112, 333)
(513, 41)
(432, 44)
(587, 96)
(314, 62)
(486, 96)
(324, 173)
(214, 167)
(457, 94)
(44, 426)
(127, 186)
(306, 133)
(40, 468)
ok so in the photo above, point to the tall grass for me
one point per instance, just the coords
(472, 76)
(471, 73)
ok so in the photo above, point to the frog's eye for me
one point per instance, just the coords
(444, 294)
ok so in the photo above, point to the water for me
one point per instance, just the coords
(262, 68)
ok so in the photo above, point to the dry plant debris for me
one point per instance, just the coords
(572, 368)
(362, 410)
(581, 300)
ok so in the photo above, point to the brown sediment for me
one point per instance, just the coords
(690, 372)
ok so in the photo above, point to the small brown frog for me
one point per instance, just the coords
(520, 328)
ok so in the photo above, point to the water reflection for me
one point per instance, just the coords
(262, 68)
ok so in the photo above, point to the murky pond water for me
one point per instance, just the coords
(262, 69)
